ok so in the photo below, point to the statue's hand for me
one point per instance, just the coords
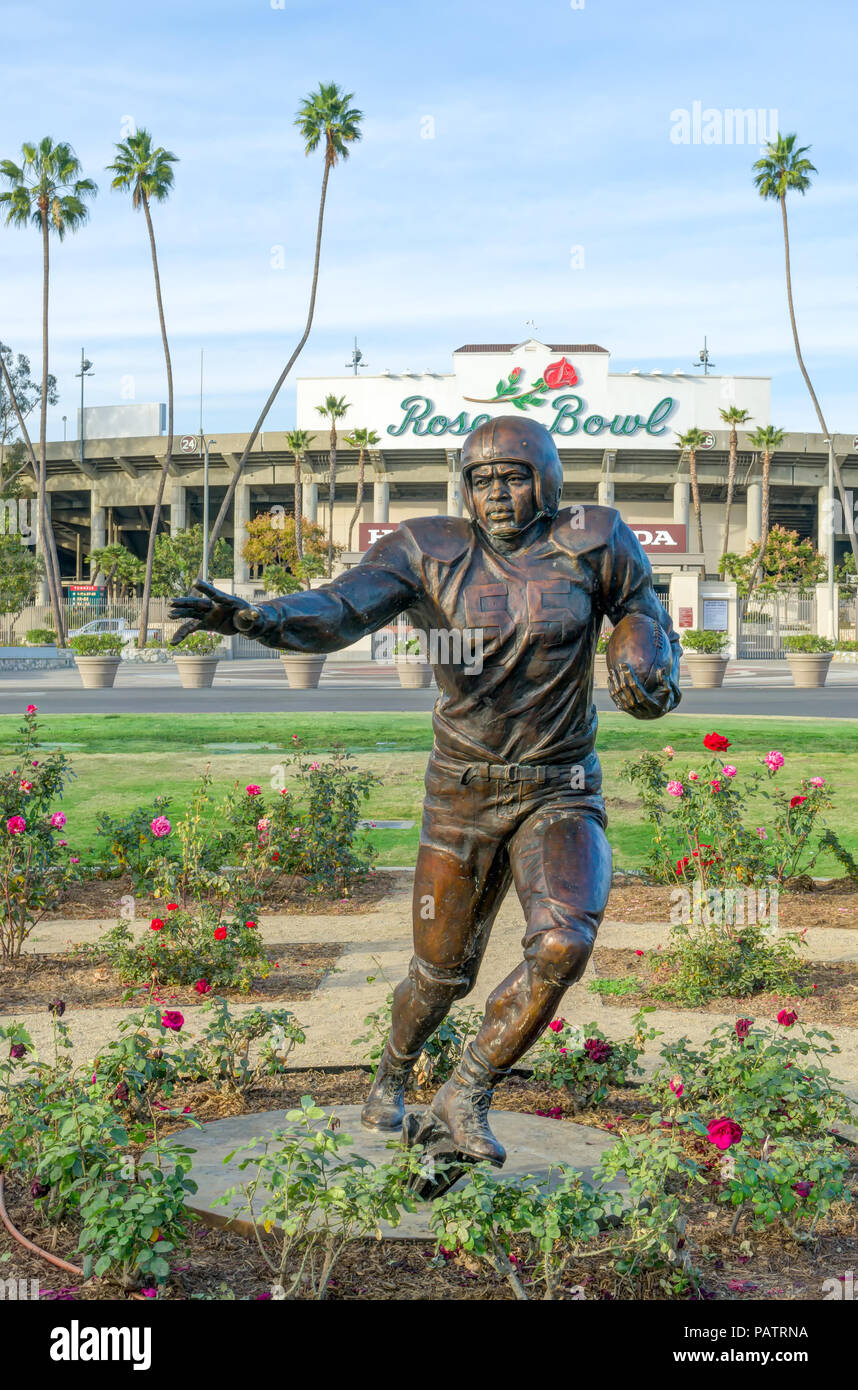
(213, 612)
(629, 695)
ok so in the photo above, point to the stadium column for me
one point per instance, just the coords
(380, 499)
(454, 488)
(824, 521)
(240, 518)
(178, 509)
(310, 498)
(681, 501)
(754, 508)
(97, 531)
(605, 494)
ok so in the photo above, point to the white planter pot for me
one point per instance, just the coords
(600, 671)
(413, 675)
(809, 669)
(97, 672)
(196, 672)
(303, 670)
(706, 669)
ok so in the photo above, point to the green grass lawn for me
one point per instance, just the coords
(123, 761)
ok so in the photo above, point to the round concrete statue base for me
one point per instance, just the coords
(533, 1144)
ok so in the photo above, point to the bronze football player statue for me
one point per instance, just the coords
(513, 786)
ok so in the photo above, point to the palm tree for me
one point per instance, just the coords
(690, 442)
(767, 439)
(732, 416)
(299, 441)
(148, 173)
(360, 440)
(323, 116)
(334, 409)
(46, 191)
(783, 168)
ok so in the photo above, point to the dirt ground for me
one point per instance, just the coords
(833, 986)
(219, 1264)
(85, 980)
(103, 897)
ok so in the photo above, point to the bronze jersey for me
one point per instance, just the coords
(511, 635)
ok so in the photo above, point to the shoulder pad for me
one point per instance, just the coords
(584, 527)
(442, 538)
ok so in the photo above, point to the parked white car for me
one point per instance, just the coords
(127, 631)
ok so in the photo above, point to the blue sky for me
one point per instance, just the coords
(552, 131)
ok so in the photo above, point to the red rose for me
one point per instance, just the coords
(250, 924)
(156, 924)
(682, 864)
(560, 373)
(723, 1133)
(515, 374)
(220, 934)
(172, 907)
(172, 1019)
(715, 784)
(787, 1017)
(717, 743)
(796, 801)
(743, 1028)
(203, 987)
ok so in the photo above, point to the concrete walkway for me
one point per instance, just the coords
(378, 944)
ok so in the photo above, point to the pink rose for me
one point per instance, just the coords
(252, 789)
(728, 770)
(172, 1019)
(694, 776)
(762, 832)
(724, 1133)
(26, 787)
(31, 709)
(16, 825)
(58, 820)
(558, 1025)
(668, 751)
(675, 789)
(676, 1086)
(817, 781)
(774, 760)
(160, 827)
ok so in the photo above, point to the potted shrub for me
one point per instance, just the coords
(600, 664)
(704, 655)
(413, 669)
(809, 658)
(97, 657)
(196, 660)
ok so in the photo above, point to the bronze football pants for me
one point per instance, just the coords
(477, 837)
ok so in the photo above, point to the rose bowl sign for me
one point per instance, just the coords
(660, 537)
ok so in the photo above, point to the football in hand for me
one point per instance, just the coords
(642, 644)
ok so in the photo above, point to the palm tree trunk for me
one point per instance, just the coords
(731, 484)
(299, 508)
(168, 454)
(695, 496)
(332, 460)
(233, 484)
(359, 502)
(849, 522)
(46, 532)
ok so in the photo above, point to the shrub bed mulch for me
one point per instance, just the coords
(804, 903)
(103, 897)
(219, 1264)
(833, 986)
(85, 980)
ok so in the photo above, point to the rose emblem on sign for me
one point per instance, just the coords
(507, 392)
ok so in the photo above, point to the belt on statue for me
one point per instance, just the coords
(516, 772)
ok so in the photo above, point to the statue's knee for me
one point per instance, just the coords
(561, 953)
(438, 983)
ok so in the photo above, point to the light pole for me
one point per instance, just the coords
(85, 371)
(207, 443)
